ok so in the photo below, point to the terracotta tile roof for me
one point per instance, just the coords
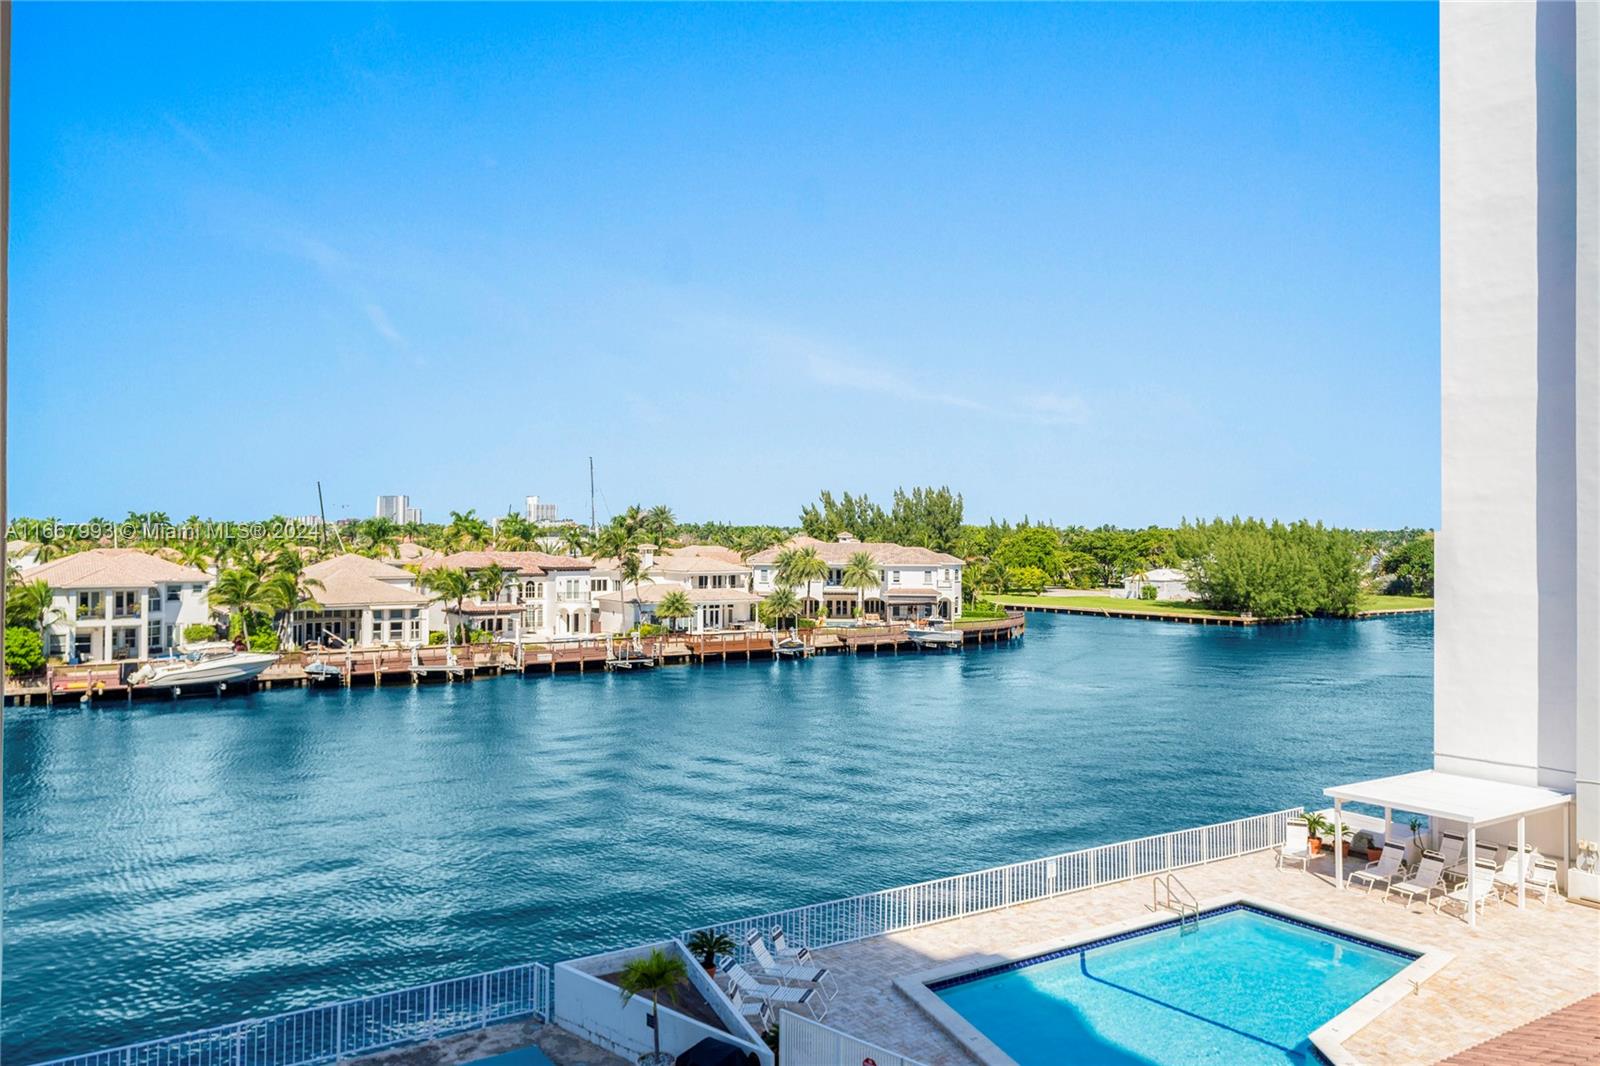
(530, 564)
(683, 562)
(654, 593)
(1567, 1037)
(357, 581)
(105, 568)
(837, 553)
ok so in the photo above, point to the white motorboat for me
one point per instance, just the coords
(211, 663)
(935, 633)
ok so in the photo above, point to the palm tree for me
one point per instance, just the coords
(244, 591)
(654, 974)
(489, 582)
(780, 604)
(575, 539)
(449, 585)
(675, 605)
(658, 524)
(514, 533)
(467, 531)
(861, 574)
(290, 591)
(378, 536)
(31, 603)
(799, 567)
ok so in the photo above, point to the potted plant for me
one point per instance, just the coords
(1364, 842)
(655, 974)
(707, 945)
(1345, 829)
(1316, 825)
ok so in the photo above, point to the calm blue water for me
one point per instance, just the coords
(1245, 989)
(171, 866)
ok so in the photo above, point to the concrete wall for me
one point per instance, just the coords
(1588, 428)
(1506, 664)
(593, 1009)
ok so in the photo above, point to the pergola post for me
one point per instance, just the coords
(1338, 840)
(1472, 874)
(1522, 862)
(1566, 827)
(1388, 824)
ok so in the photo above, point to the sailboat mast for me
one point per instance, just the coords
(594, 526)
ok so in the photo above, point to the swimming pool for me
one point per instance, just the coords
(1246, 987)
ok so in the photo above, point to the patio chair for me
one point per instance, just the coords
(767, 966)
(1451, 848)
(1481, 853)
(1390, 864)
(1296, 846)
(756, 1010)
(1424, 882)
(782, 949)
(775, 995)
(1542, 879)
(1478, 892)
(1512, 872)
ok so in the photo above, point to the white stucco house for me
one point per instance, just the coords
(362, 602)
(912, 582)
(118, 603)
(543, 597)
(1169, 584)
(715, 580)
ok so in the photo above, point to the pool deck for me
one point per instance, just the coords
(1517, 966)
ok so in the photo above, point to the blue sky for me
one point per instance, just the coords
(1086, 263)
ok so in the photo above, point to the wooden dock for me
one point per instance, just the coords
(373, 667)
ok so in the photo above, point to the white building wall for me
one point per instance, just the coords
(1588, 419)
(1507, 643)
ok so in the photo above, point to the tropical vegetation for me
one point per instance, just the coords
(655, 975)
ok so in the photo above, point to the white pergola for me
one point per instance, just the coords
(1473, 801)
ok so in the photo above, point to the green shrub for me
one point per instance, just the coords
(265, 641)
(1147, 592)
(650, 629)
(1026, 579)
(24, 651)
(436, 637)
(200, 631)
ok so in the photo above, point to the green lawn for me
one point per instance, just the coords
(1112, 603)
(1371, 602)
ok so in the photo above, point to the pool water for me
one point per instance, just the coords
(1246, 988)
(170, 866)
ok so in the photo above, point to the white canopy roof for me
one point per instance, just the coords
(1473, 800)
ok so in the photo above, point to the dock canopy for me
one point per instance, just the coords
(1473, 801)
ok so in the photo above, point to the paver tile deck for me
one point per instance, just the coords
(1517, 966)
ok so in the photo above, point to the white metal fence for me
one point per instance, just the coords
(805, 1042)
(337, 1031)
(840, 921)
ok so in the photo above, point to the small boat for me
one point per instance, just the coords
(935, 633)
(212, 663)
(790, 647)
(319, 672)
(627, 655)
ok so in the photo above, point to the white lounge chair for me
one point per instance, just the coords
(1296, 846)
(767, 966)
(775, 995)
(1481, 853)
(756, 1010)
(1477, 892)
(1451, 847)
(781, 948)
(1424, 882)
(1542, 879)
(1389, 865)
(1512, 872)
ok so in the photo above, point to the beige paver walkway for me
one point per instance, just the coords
(1515, 967)
(559, 1046)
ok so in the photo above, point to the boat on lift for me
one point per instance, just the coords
(935, 633)
(790, 647)
(213, 663)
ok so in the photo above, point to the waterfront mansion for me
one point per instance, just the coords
(912, 583)
(123, 603)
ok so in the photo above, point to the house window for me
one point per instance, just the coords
(83, 646)
(895, 577)
(155, 637)
(197, 589)
(54, 646)
(89, 603)
(927, 577)
(155, 599)
(172, 593)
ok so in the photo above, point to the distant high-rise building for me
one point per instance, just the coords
(541, 514)
(398, 510)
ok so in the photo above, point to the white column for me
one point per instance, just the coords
(1338, 838)
(1522, 861)
(1388, 824)
(1472, 873)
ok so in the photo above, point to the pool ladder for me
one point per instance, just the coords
(1170, 894)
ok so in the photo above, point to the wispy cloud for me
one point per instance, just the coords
(380, 322)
